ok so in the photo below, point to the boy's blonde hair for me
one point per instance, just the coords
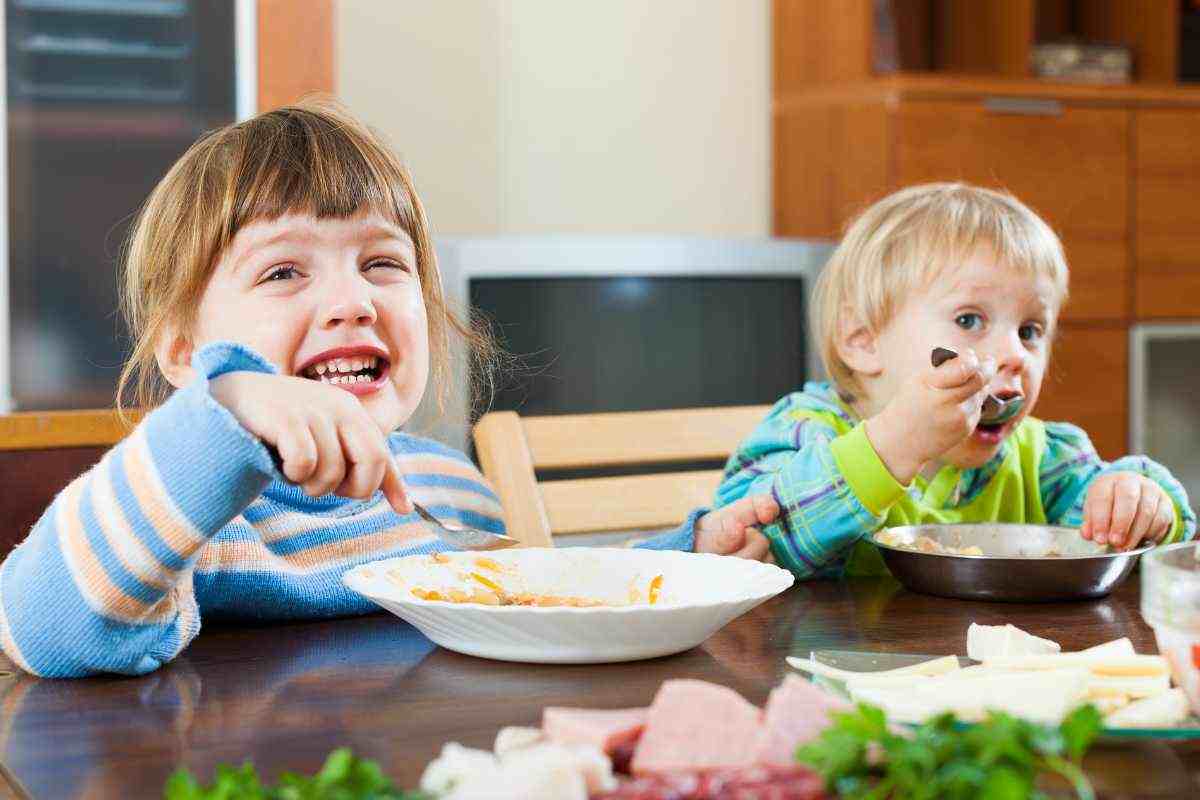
(905, 240)
(312, 158)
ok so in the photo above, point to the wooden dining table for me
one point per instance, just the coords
(283, 695)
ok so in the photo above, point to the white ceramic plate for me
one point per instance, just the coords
(700, 593)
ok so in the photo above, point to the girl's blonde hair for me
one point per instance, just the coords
(905, 240)
(313, 158)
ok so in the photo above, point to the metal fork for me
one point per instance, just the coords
(463, 537)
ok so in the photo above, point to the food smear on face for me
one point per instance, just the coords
(484, 581)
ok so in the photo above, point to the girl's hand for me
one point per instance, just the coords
(934, 410)
(732, 531)
(1123, 509)
(325, 438)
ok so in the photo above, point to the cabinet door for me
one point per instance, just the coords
(1167, 171)
(295, 50)
(1069, 164)
(1086, 384)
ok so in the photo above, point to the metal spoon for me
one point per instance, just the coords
(461, 536)
(994, 409)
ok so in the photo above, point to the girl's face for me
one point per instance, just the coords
(332, 300)
(1002, 314)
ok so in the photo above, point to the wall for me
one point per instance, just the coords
(534, 116)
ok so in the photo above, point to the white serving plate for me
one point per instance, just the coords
(700, 594)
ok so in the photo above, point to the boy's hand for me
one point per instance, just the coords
(732, 531)
(1123, 509)
(325, 438)
(934, 410)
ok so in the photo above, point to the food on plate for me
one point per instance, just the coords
(487, 582)
(540, 771)
(989, 641)
(697, 725)
(923, 544)
(793, 782)
(1157, 711)
(696, 740)
(606, 729)
(1040, 686)
(862, 755)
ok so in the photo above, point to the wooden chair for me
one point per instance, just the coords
(512, 448)
(40, 453)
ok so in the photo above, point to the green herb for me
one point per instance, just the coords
(343, 777)
(998, 759)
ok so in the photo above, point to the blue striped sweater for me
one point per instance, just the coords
(188, 518)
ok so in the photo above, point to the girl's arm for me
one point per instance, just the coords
(1070, 465)
(103, 582)
(831, 490)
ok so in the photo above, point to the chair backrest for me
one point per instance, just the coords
(512, 448)
(40, 453)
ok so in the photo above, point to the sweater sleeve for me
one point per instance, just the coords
(831, 489)
(103, 582)
(1070, 465)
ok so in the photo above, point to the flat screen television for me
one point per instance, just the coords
(625, 323)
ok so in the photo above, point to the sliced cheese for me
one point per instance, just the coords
(1117, 648)
(1044, 696)
(1135, 687)
(1160, 711)
(1127, 666)
(985, 642)
(937, 666)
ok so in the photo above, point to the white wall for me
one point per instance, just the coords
(527, 116)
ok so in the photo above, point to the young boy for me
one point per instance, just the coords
(894, 440)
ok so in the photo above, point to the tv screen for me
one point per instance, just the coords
(586, 344)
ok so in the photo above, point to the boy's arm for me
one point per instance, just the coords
(103, 582)
(831, 490)
(1070, 465)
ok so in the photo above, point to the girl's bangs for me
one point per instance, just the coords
(311, 166)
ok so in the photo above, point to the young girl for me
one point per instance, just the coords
(894, 440)
(281, 278)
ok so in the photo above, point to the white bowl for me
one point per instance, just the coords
(700, 594)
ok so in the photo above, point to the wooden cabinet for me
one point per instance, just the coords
(884, 95)
(1069, 164)
(1085, 384)
(295, 50)
(1167, 181)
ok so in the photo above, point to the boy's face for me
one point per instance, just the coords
(335, 300)
(998, 312)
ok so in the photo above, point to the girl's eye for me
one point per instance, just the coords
(1030, 333)
(283, 273)
(385, 264)
(969, 322)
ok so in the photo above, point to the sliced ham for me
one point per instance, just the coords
(796, 713)
(607, 730)
(694, 725)
(739, 783)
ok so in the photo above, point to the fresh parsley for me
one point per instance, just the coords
(343, 777)
(862, 757)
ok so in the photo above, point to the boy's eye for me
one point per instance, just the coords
(1030, 332)
(969, 322)
(283, 273)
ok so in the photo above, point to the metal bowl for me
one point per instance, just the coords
(1017, 565)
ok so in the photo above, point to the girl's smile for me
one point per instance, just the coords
(359, 369)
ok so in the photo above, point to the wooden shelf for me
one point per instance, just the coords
(936, 86)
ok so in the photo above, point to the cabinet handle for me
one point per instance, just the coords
(1027, 106)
